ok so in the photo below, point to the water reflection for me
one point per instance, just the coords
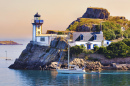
(71, 79)
(36, 77)
(43, 78)
(78, 79)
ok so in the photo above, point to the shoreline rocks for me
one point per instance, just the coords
(35, 57)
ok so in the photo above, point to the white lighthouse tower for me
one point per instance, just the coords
(37, 27)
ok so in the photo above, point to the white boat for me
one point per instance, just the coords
(75, 68)
(96, 72)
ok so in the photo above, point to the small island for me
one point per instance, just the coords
(9, 43)
(97, 41)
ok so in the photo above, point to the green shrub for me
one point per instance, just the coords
(109, 34)
(96, 48)
(125, 35)
(118, 49)
(60, 33)
(117, 31)
(77, 49)
(126, 41)
(108, 54)
(102, 50)
(118, 36)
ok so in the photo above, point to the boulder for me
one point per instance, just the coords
(93, 65)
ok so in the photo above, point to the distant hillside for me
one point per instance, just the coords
(94, 19)
(9, 43)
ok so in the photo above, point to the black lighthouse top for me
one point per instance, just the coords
(37, 19)
(37, 15)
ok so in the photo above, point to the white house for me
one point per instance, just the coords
(89, 39)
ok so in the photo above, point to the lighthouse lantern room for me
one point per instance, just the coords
(37, 26)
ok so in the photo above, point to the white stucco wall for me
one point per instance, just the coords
(105, 42)
(99, 44)
(34, 33)
(92, 44)
(46, 42)
(43, 43)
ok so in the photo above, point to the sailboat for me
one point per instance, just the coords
(74, 69)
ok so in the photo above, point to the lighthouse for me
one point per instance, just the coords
(37, 26)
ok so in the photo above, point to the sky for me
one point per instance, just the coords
(16, 15)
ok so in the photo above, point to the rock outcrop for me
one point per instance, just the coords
(37, 57)
(121, 66)
(89, 65)
(93, 65)
(93, 12)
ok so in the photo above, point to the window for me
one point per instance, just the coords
(88, 46)
(38, 32)
(39, 27)
(36, 21)
(41, 21)
(95, 37)
(42, 39)
(81, 37)
(107, 43)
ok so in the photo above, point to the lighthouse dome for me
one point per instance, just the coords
(37, 15)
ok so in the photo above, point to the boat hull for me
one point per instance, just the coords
(79, 71)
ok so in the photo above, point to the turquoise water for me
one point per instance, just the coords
(11, 77)
(13, 51)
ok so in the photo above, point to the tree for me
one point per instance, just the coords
(117, 49)
(109, 34)
(126, 41)
(76, 50)
(102, 50)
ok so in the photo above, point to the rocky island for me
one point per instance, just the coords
(9, 43)
(46, 57)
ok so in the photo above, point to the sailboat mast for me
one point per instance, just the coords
(68, 49)
(68, 55)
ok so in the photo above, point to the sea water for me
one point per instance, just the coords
(11, 77)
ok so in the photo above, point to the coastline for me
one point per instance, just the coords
(35, 57)
(9, 43)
